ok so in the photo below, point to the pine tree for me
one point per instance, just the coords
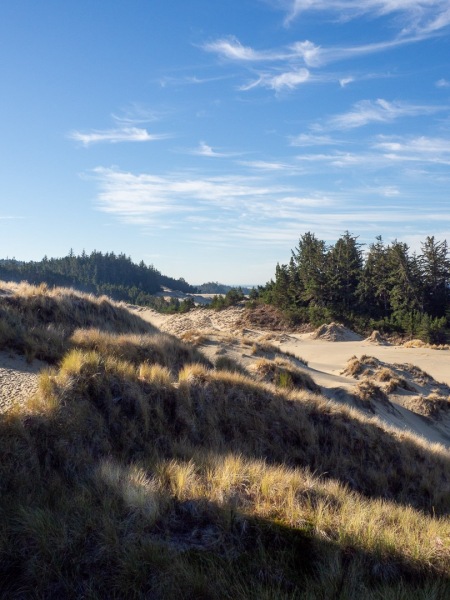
(344, 273)
(310, 260)
(374, 285)
(435, 272)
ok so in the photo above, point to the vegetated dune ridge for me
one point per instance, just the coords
(142, 468)
(424, 408)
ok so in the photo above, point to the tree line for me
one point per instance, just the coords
(108, 273)
(385, 287)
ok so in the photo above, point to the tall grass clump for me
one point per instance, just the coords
(37, 321)
(161, 348)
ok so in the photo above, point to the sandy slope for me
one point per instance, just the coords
(18, 379)
(326, 362)
(224, 336)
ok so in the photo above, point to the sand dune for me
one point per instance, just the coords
(327, 352)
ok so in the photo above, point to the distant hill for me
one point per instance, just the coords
(214, 287)
(112, 274)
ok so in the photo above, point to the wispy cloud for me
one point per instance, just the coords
(136, 114)
(420, 149)
(179, 200)
(298, 63)
(386, 153)
(288, 80)
(231, 48)
(310, 139)
(344, 81)
(419, 17)
(255, 212)
(442, 83)
(378, 111)
(189, 80)
(289, 66)
(304, 51)
(265, 165)
(205, 150)
(114, 136)
(145, 194)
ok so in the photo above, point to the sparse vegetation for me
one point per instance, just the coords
(137, 471)
(226, 363)
(233, 297)
(285, 375)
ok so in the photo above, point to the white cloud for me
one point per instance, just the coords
(420, 149)
(206, 150)
(127, 194)
(265, 165)
(378, 111)
(305, 51)
(289, 79)
(231, 48)
(389, 191)
(311, 54)
(283, 81)
(442, 83)
(113, 136)
(256, 213)
(309, 139)
(417, 17)
(344, 81)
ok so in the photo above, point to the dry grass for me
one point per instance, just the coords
(367, 391)
(125, 479)
(160, 348)
(361, 366)
(422, 344)
(194, 337)
(226, 363)
(284, 374)
(37, 321)
(120, 477)
(432, 406)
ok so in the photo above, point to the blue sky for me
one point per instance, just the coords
(205, 137)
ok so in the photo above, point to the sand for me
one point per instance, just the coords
(327, 353)
(18, 379)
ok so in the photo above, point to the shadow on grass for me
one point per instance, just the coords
(69, 533)
(89, 543)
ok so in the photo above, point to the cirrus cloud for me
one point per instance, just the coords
(115, 136)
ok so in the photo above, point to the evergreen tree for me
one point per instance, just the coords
(404, 279)
(310, 262)
(344, 272)
(435, 272)
(374, 285)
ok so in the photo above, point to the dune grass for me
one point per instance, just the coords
(37, 321)
(116, 475)
(134, 474)
(284, 374)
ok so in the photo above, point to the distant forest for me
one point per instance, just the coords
(111, 274)
(385, 287)
(214, 287)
